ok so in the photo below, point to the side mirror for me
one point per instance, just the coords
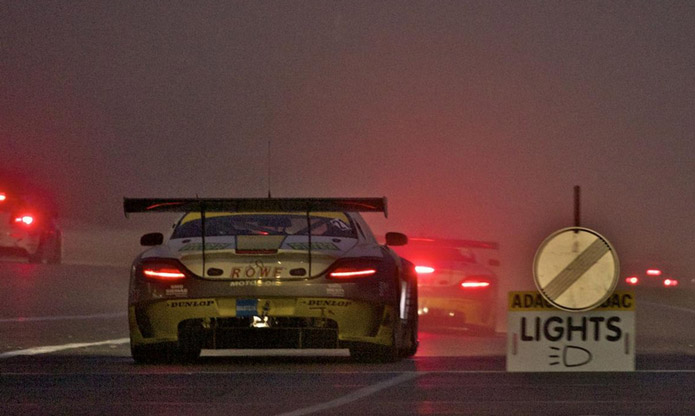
(396, 239)
(152, 239)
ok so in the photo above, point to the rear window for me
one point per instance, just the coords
(338, 225)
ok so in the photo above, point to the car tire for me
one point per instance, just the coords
(163, 353)
(50, 250)
(370, 353)
(410, 339)
(404, 340)
(38, 256)
(55, 255)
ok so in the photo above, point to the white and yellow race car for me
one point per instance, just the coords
(456, 282)
(270, 273)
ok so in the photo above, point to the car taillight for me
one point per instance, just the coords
(632, 280)
(24, 219)
(424, 269)
(653, 272)
(3, 196)
(352, 272)
(162, 270)
(670, 282)
(350, 269)
(475, 283)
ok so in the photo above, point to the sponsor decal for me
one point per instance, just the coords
(335, 289)
(190, 303)
(314, 246)
(246, 307)
(256, 272)
(257, 283)
(208, 246)
(176, 290)
(328, 302)
(534, 301)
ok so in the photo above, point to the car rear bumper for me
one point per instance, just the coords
(437, 310)
(19, 241)
(268, 322)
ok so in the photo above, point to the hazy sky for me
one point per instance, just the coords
(475, 119)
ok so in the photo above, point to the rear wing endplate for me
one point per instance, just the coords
(254, 205)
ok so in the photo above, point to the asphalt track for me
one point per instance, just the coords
(64, 351)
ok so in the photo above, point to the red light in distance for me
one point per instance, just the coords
(670, 282)
(2, 196)
(424, 269)
(24, 219)
(632, 280)
(474, 284)
(653, 272)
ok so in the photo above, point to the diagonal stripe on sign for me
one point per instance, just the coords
(576, 269)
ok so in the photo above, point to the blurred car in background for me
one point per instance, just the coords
(646, 276)
(456, 284)
(29, 228)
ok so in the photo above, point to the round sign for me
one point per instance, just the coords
(576, 269)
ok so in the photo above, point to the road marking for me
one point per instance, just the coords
(53, 348)
(356, 395)
(63, 317)
(676, 308)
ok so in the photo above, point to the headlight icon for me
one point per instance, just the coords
(571, 356)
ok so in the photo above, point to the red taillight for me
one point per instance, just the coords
(670, 282)
(2, 196)
(162, 270)
(475, 283)
(24, 219)
(653, 272)
(424, 269)
(163, 274)
(346, 269)
(351, 272)
(632, 280)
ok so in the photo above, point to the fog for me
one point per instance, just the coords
(474, 119)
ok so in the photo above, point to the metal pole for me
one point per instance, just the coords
(577, 206)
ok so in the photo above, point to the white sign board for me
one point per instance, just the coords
(541, 337)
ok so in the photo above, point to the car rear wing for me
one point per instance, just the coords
(443, 242)
(131, 205)
(486, 252)
(204, 205)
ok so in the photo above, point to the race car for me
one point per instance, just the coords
(29, 228)
(265, 273)
(455, 288)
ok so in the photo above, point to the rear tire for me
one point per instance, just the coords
(50, 250)
(370, 353)
(163, 353)
(410, 338)
(38, 256)
(56, 254)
